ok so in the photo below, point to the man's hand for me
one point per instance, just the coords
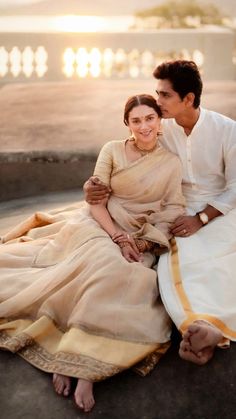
(186, 225)
(95, 190)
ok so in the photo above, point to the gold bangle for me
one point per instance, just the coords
(123, 244)
(143, 245)
(140, 245)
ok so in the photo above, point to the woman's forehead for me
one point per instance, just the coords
(141, 110)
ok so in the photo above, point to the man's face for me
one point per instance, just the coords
(169, 101)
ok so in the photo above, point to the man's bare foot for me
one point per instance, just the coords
(84, 395)
(62, 384)
(203, 335)
(200, 358)
(199, 342)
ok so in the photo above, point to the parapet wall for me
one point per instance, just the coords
(32, 173)
(51, 133)
(60, 56)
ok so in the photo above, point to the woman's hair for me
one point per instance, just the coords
(184, 77)
(137, 100)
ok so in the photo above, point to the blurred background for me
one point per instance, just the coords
(68, 66)
(74, 39)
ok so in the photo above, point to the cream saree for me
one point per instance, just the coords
(69, 301)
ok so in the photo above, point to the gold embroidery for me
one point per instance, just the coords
(145, 366)
(72, 365)
(16, 343)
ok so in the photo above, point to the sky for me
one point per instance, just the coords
(16, 2)
(127, 6)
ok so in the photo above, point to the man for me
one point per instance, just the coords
(197, 278)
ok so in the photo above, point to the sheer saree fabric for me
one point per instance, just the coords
(69, 301)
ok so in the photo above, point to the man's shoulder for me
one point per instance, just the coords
(217, 117)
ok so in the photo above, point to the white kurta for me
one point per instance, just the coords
(198, 277)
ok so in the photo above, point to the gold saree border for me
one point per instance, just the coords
(49, 349)
(145, 366)
(73, 365)
(183, 298)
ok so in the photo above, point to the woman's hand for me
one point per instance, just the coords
(122, 237)
(130, 254)
(95, 191)
(127, 245)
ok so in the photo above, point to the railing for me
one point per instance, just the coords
(116, 55)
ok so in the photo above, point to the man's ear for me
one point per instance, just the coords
(189, 99)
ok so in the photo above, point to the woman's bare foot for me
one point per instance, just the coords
(84, 395)
(199, 342)
(62, 384)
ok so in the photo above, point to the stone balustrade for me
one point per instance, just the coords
(60, 56)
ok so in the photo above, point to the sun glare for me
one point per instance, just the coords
(80, 23)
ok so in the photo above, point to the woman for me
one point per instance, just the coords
(78, 297)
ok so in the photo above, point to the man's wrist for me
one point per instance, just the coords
(203, 217)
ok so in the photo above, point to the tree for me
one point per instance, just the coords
(178, 13)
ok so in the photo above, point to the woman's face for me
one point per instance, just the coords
(144, 124)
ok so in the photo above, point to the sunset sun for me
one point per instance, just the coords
(72, 23)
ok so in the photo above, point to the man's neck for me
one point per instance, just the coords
(188, 120)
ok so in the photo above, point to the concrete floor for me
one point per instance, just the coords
(174, 390)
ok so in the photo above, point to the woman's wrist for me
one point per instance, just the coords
(123, 244)
(144, 245)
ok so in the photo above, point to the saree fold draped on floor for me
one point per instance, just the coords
(69, 301)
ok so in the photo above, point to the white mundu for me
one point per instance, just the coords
(198, 277)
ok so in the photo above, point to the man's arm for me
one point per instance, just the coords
(95, 191)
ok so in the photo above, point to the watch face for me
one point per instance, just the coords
(203, 217)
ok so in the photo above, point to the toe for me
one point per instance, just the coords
(79, 402)
(184, 346)
(89, 405)
(60, 388)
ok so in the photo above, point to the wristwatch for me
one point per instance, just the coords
(203, 217)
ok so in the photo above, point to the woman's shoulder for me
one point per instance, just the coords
(113, 145)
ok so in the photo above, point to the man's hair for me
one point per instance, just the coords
(143, 99)
(184, 77)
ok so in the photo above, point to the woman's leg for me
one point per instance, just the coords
(62, 384)
(84, 395)
(83, 392)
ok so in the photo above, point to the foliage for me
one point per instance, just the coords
(176, 13)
